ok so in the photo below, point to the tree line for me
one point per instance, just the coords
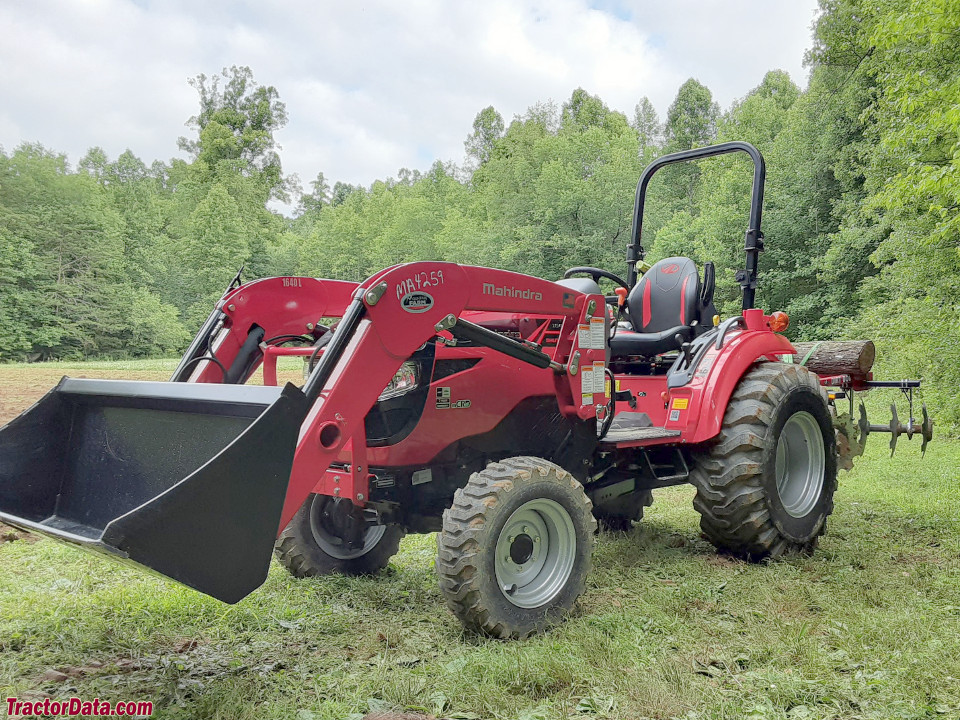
(116, 258)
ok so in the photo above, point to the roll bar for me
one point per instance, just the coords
(753, 243)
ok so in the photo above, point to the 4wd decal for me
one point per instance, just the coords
(416, 302)
(445, 403)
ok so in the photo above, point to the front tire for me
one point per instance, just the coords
(765, 486)
(312, 544)
(515, 547)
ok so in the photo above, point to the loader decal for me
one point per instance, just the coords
(511, 292)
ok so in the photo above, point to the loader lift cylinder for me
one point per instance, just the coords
(334, 351)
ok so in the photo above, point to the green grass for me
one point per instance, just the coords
(869, 627)
(162, 364)
(166, 365)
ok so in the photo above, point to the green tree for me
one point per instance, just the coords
(76, 240)
(692, 117)
(236, 126)
(212, 252)
(649, 128)
(487, 129)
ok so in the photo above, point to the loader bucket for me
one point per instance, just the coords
(185, 479)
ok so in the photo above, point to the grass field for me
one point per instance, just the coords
(869, 627)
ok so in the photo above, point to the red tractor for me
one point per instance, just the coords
(506, 412)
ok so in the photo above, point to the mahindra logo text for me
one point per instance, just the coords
(512, 292)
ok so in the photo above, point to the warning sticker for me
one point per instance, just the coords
(421, 476)
(586, 400)
(597, 336)
(680, 403)
(599, 377)
(583, 336)
(586, 380)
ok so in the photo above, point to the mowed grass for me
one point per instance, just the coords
(869, 627)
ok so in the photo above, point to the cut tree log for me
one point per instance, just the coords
(837, 357)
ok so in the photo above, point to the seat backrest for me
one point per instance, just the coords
(667, 295)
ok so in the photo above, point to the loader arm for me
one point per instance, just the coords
(392, 314)
(227, 348)
(195, 479)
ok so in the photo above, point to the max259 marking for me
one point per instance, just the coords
(418, 282)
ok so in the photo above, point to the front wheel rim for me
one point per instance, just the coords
(535, 553)
(800, 466)
(332, 544)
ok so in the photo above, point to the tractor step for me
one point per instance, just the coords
(634, 427)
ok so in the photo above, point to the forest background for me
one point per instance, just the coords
(118, 258)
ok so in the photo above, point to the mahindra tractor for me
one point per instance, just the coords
(507, 413)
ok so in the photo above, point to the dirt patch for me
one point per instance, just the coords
(11, 534)
(21, 387)
(724, 561)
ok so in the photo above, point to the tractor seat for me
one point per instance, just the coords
(668, 301)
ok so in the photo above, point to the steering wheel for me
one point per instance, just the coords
(596, 274)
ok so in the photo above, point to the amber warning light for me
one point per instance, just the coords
(779, 321)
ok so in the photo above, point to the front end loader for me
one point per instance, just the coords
(507, 413)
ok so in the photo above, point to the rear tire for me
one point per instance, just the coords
(765, 486)
(515, 547)
(309, 546)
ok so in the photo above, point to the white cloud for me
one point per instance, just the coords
(374, 87)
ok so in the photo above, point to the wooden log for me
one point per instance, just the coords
(837, 357)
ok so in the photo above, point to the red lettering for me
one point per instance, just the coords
(76, 706)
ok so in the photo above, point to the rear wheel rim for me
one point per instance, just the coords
(535, 553)
(800, 466)
(325, 535)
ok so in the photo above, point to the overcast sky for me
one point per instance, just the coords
(370, 87)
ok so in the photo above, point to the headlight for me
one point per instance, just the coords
(403, 382)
